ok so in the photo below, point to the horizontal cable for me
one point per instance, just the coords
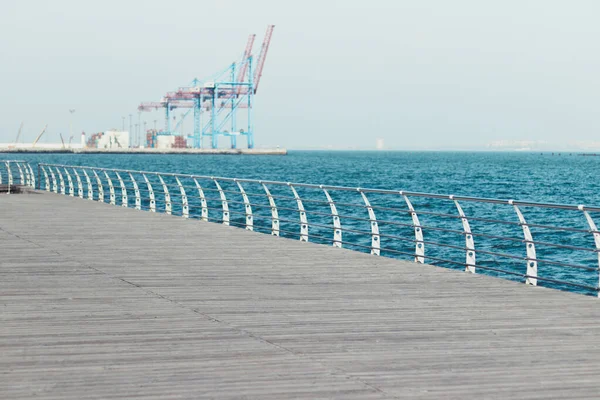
(541, 278)
(504, 255)
(431, 243)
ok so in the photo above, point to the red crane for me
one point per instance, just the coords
(247, 52)
(262, 56)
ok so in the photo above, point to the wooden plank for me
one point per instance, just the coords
(99, 301)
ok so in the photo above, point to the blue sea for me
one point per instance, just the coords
(537, 177)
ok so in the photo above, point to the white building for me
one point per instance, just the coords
(114, 140)
(165, 141)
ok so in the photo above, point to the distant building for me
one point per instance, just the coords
(109, 140)
(379, 144)
(158, 140)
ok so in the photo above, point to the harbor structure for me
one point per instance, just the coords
(216, 102)
(36, 145)
(111, 139)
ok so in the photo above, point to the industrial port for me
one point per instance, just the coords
(221, 107)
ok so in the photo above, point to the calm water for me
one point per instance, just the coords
(524, 176)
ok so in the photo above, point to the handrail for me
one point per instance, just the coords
(514, 242)
(346, 188)
(15, 173)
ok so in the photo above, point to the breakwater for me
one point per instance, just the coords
(275, 151)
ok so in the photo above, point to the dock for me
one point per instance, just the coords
(101, 302)
(145, 150)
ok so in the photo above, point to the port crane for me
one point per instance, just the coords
(222, 97)
(18, 136)
(39, 136)
(19, 133)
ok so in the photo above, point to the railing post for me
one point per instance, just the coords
(337, 226)
(111, 188)
(150, 194)
(302, 212)
(185, 208)
(248, 208)
(469, 242)
(375, 239)
(79, 185)
(100, 188)
(63, 191)
(223, 202)
(594, 231)
(420, 244)
(70, 181)
(46, 179)
(9, 173)
(203, 205)
(27, 178)
(21, 177)
(531, 278)
(32, 176)
(136, 190)
(274, 213)
(88, 181)
(123, 191)
(54, 180)
(168, 206)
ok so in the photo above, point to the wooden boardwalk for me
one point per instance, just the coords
(101, 302)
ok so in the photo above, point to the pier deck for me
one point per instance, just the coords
(99, 301)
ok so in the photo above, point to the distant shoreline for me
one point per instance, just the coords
(147, 151)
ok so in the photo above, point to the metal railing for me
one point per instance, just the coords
(557, 245)
(16, 173)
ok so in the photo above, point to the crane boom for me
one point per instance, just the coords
(19, 134)
(262, 56)
(39, 136)
(62, 140)
(247, 52)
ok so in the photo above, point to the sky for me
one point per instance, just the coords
(421, 75)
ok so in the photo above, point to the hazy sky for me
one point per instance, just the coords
(419, 74)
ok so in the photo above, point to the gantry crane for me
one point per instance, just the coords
(232, 89)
